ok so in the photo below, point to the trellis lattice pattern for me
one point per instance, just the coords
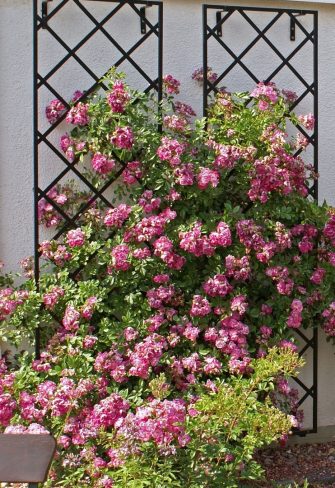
(216, 20)
(101, 45)
(273, 43)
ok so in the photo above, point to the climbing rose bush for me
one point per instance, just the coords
(167, 322)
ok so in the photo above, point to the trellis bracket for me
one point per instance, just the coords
(293, 24)
(45, 13)
(219, 22)
(143, 18)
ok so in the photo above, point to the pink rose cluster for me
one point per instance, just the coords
(170, 150)
(251, 236)
(184, 109)
(194, 242)
(184, 175)
(22, 429)
(120, 261)
(67, 145)
(160, 421)
(27, 266)
(266, 93)
(51, 298)
(208, 177)
(198, 75)
(157, 297)
(56, 109)
(329, 230)
(132, 173)
(231, 338)
(117, 216)
(329, 322)
(281, 276)
(149, 227)
(137, 362)
(78, 115)
(122, 138)
(295, 318)
(10, 300)
(200, 307)
(217, 286)
(175, 123)
(238, 268)
(226, 156)
(307, 121)
(70, 147)
(75, 238)
(171, 85)
(283, 174)
(89, 307)
(118, 97)
(57, 253)
(148, 202)
(164, 249)
(289, 96)
(7, 408)
(279, 172)
(108, 411)
(102, 164)
(47, 213)
(291, 396)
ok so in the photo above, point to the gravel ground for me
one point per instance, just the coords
(315, 462)
(289, 465)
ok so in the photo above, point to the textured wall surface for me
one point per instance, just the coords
(182, 53)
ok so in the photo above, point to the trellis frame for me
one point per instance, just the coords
(146, 29)
(223, 14)
(42, 14)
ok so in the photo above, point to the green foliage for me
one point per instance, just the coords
(236, 421)
(214, 368)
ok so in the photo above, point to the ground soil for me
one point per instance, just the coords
(296, 463)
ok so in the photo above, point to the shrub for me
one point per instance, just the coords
(159, 317)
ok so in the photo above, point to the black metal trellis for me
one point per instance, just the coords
(44, 12)
(214, 29)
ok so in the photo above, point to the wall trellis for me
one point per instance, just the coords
(45, 12)
(216, 18)
(213, 29)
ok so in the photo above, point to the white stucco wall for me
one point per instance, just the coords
(182, 53)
